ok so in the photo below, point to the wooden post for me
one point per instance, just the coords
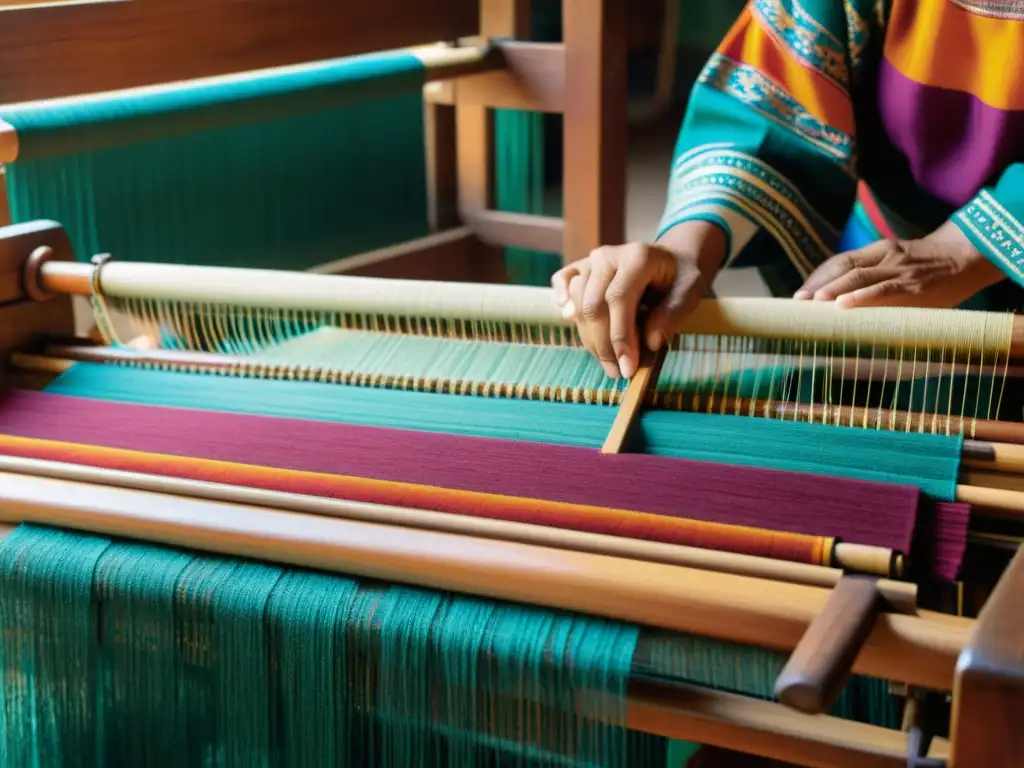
(988, 689)
(475, 124)
(442, 169)
(595, 125)
(474, 128)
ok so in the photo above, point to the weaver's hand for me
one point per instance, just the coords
(602, 293)
(941, 270)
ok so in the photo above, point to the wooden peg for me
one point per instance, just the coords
(817, 669)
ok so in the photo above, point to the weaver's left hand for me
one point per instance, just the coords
(941, 270)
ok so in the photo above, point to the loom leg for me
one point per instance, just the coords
(988, 690)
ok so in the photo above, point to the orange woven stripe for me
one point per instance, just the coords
(616, 522)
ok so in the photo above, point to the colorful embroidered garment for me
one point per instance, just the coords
(918, 103)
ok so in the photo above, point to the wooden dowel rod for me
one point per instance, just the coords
(1007, 503)
(69, 278)
(899, 593)
(297, 290)
(763, 728)
(863, 558)
(919, 650)
(1000, 457)
(40, 363)
(1004, 480)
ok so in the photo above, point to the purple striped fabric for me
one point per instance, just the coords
(852, 510)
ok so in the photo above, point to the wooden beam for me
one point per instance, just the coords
(66, 49)
(475, 129)
(474, 124)
(594, 125)
(518, 230)
(453, 256)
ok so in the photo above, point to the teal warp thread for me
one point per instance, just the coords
(116, 653)
(47, 129)
(47, 669)
(282, 191)
(930, 462)
(520, 187)
(977, 393)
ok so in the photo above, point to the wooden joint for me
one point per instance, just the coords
(988, 687)
(532, 79)
(24, 248)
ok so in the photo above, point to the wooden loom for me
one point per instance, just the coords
(832, 623)
(782, 605)
(46, 56)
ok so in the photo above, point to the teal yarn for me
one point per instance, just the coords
(929, 462)
(50, 129)
(519, 187)
(279, 172)
(128, 654)
(118, 653)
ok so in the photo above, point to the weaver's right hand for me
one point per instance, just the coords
(602, 293)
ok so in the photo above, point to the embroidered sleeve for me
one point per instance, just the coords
(994, 222)
(769, 142)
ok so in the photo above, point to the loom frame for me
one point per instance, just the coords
(980, 661)
(45, 54)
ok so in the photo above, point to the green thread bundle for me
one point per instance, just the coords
(127, 654)
(280, 171)
(116, 653)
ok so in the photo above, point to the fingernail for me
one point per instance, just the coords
(626, 366)
(654, 340)
(569, 310)
(610, 370)
(802, 295)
